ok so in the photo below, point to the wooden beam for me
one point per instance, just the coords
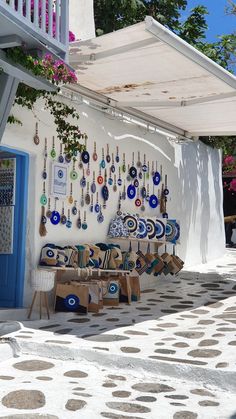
(8, 88)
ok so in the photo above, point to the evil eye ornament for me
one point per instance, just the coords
(91, 208)
(68, 158)
(79, 223)
(140, 175)
(119, 181)
(100, 218)
(160, 229)
(108, 158)
(117, 159)
(68, 224)
(143, 192)
(84, 226)
(93, 188)
(110, 181)
(133, 172)
(103, 164)
(97, 208)
(53, 153)
(74, 211)
(45, 175)
(131, 192)
(156, 178)
(153, 201)
(73, 175)
(43, 200)
(136, 183)
(113, 169)
(63, 219)
(95, 156)
(166, 192)
(100, 180)
(144, 168)
(61, 159)
(128, 178)
(138, 202)
(85, 156)
(72, 302)
(105, 193)
(165, 215)
(88, 171)
(113, 288)
(44, 219)
(83, 182)
(55, 218)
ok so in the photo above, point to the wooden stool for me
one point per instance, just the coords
(41, 295)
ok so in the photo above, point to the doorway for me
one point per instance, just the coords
(14, 168)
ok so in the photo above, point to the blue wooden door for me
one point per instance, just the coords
(12, 264)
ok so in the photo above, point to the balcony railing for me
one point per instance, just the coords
(45, 20)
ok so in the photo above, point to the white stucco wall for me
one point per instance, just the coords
(193, 179)
(82, 19)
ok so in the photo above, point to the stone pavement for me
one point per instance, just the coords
(172, 355)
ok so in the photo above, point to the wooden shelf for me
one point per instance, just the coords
(77, 270)
(160, 243)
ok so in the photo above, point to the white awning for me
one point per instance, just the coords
(150, 72)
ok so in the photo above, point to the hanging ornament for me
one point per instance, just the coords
(117, 155)
(166, 190)
(119, 181)
(45, 175)
(131, 191)
(80, 165)
(113, 167)
(148, 170)
(100, 179)
(36, 135)
(95, 156)
(152, 171)
(115, 185)
(97, 206)
(85, 157)
(88, 169)
(138, 200)
(61, 158)
(71, 199)
(148, 195)
(156, 177)
(43, 198)
(110, 180)
(63, 216)
(100, 217)
(42, 226)
(53, 151)
(123, 165)
(83, 181)
(133, 170)
(49, 212)
(93, 185)
(68, 222)
(87, 196)
(104, 205)
(74, 209)
(128, 177)
(136, 183)
(119, 206)
(165, 215)
(108, 157)
(67, 158)
(73, 173)
(91, 203)
(45, 148)
(123, 196)
(143, 189)
(105, 191)
(103, 162)
(153, 201)
(79, 223)
(82, 198)
(55, 218)
(144, 166)
(139, 164)
(84, 224)
(143, 206)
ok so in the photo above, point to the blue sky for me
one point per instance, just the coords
(219, 23)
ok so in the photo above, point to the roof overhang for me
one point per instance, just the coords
(148, 71)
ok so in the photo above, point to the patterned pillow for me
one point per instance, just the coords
(131, 222)
(104, 255)
(115, 261)
(61, 257)
(83, 255)
(129, 260)
(171, 231)
(49, 255)
(161, 229)
(117, 228)
(71, 256)
(142, 228)
(93, 255)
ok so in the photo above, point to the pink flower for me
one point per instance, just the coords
(233, 185)
(228, 160)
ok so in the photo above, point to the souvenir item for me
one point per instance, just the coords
(53, 151)
(84, 224)
(166, 190)
(80, 165)
(55, 218)
(147, 195)
(123, 165)
(129, 259)
(63, 216)
(136, 183)
(140, 175)
(160, 229)
(91, 203)
(131, 223)
(93, 185)
(171, 231)
(68, 222)
(133, 170)
(36, 135)
(151, 228)
(103, 162)
(117, 155)
(108, 157)
(83, 181)
(162, 201)
(42, 227)
(100, 217)
(48, 255)
(128, 177)
(95, 156)
(142, 228)
(153, 171)
(45, 148)
(88, 170)
(44, 175)
(82, 198)
(49, 212)
(67, 158)
(144, 166)
(119, 181)
(71, 298)
(156, 177)
(117, 228)
(73, 173)
(113, 168)
(153, 201)
(87, 196)
(115, 185)
(131, 191)
(139, 164)
(119, 205)
(71, 199)
(142, 206)
(138, 202)
(74, 209)
(148, 170)
(61, 158)
(97, 206)
(105, 191)
(100, 178)
(123, 196)
(43, 198)
(79, 224)
(165, 215)
(141, 264)
(85, 157)
(110, 180)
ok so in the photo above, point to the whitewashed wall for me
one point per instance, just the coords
(82, 19)
(193, 177)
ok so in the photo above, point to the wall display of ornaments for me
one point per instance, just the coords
(84, 184)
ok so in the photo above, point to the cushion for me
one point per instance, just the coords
(71, 256)
(49, 255)
(83, 255)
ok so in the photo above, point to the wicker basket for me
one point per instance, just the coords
(42, 280)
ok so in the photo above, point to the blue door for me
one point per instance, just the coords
(13, 216)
